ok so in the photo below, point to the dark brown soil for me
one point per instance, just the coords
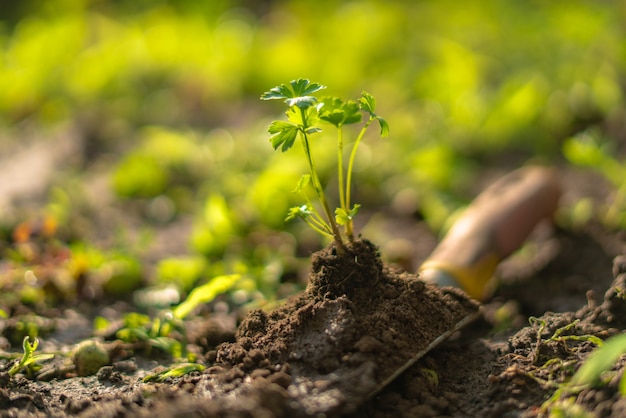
(327, 349)
(348, 334)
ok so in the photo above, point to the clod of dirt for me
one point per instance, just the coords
(347, 334)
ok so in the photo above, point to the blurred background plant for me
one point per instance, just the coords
(174, 181)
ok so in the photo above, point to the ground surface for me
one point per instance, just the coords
(279, 364)
(330, 349)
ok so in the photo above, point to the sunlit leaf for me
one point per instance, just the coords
(304, 181)
(283, 134)
(303, 212)
(205, 293)
(337, 112)
(296, 93)
(303, 102)
(343, 217)
(311, 117)
(168, 345)
(100, 323)
(176, 371)
(367, 102)
(302, 87)
(384, 126)
(600, 361)
(583, 150)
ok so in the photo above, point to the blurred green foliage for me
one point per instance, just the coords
(588, 149)
(164, 97)
(481, 76)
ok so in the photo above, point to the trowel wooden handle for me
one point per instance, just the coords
(493, 226)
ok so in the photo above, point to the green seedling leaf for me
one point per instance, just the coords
(28, 358)
(135, 319)
(295, 88)
(303, 102)
(337, 112)
(168, 345)
(283, 134)
(131, 335)
(305, 119)
(431, 375)
(303, 183)
(566, 328)
(100, 323)
(384, 126)
(368, 103)
(600, 361)
(296, 93)
(205, 293)
(176, 371)
(342, 217)
(583, 150)
(303, 212)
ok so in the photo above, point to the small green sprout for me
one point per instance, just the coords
(166, 332)
(147, 333)
(175, 371)
(596, 371)
(600, 361)
(205, 293)
(29, 359)
(305, 113)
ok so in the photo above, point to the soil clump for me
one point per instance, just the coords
(347, 334)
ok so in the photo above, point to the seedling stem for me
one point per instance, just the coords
(317, 186)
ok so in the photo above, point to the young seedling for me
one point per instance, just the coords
(596, 371)
(166, 331)
(29, 359)
(174, 371)
(305, 113)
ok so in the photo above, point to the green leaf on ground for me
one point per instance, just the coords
(205, 293)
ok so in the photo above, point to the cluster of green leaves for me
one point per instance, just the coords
(166, 331)
(305, 113)
(566, 374)
(549, 369)
(560, 335)
(596, 372)
(146, 333)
